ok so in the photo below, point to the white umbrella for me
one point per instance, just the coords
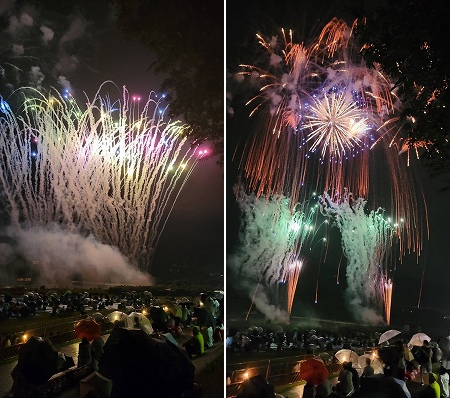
(117, 316)
(143, 320)
(347, 356)
(388, 335)
(376, 364)
(418, 339)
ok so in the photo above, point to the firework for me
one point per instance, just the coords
(367, 240)
(272, 237)
(387, 290)
(330, 120)
(292, 275)
(106, 171)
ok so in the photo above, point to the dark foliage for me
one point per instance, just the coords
(409, 39)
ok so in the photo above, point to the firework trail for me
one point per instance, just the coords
(272, 236)
(107, 171)
(367, 240)
(387, 293)
(292, 275)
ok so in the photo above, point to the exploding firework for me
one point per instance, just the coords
(367, 240)
(106, 171)
(330, 123)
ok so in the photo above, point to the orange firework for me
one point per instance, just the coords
(292, 274)
(387, 293)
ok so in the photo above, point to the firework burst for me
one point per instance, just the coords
(109, 171)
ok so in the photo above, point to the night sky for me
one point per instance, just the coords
(303, 17)
(192, 242)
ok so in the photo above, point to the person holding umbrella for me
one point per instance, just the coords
(309, 391)
(84, 352)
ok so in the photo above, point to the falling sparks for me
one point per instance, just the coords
(102, 171)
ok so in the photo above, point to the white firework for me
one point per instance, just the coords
(337, 124)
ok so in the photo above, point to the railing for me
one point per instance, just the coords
(278, 372)
(59, 338)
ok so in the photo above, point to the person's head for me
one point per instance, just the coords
(368, 361)
(426, 343)
(136, 319)
(431, 378)
(84, 340)
(195, 330)
(442, 370)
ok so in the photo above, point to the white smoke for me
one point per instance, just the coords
(16, 24)
(76, 30)
(67, 63)
(18, 49)
(271, 237)
(64, 83)
(47, 34)
(26, 20)
(58, 255)
(36, 76)
(366, 242)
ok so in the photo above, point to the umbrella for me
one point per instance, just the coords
(386, 336)
(88, 328)
(388, 355)
(256, 386)
(144, 322)
(38, 360)
(325, 357)
(418, 339)
(98, 317)
(313, 371)
(347, 356)
(374, 362)
(97, 383)
(174, 309)
(141, 366)
(117, 316)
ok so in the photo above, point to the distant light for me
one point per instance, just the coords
(163, 95)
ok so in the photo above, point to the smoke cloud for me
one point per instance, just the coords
(76, 30)
(36, 76)
(47, 33)
(56, 257)
(18, 49)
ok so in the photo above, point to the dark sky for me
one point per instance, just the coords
(193, 237)
(245, 19)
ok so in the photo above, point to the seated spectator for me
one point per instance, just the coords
(195, 345)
